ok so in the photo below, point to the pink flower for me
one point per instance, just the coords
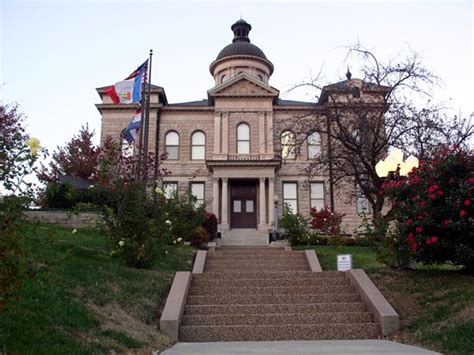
(470, 180)
(462, 213)
(409, 222)
(422, 204)
(419, 229)
(434, 239)
(467, 202)
(432, 196)
(445, 223)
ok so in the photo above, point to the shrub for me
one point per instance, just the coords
(59, 195)
(199, 237)
(325, 221)
(294, 227)
(433, 207)
(210, 225)
(136, 226)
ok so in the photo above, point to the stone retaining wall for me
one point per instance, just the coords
(65, 218)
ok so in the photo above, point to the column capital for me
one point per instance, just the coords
(270, 179)
(262, 179)
(225, 180)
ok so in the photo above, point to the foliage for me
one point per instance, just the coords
(64, 196)
(434, 208)
(18, 154)
(137, 226)
(293, 226)
(325, 221)
(78, 158)
(210, 225)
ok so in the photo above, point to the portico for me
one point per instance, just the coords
(243, 195)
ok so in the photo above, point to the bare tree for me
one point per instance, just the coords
(359, 120)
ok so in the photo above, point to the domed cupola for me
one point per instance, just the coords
(241, 56)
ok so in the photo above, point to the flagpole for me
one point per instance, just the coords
(147, 120)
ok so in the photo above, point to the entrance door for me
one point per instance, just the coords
(243, 198)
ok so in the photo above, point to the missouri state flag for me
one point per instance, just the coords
(130, 133)
(129, 90)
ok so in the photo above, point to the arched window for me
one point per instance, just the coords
(172, 145)
(198, 146)
(223, 78)
(243, 138)
(314, 145)
(355, 92)
(288, 145)
(260, 77)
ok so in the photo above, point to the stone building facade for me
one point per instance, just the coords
(231, 150)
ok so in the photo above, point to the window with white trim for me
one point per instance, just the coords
(314, 145)
(317, 195)
(290, 196)
(172, 145)
(288, 145)
(198, 146)
(170, 189)
(243, 138)
(197, 190)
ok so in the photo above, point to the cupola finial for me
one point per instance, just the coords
(241, 31)
(348, 74)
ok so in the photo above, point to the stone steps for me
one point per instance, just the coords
(271, 290)
(280, 298)
(278, 318)
(276, 308)
(209, 333)
(250, 266)
(253, 294)
(263, 275)
(277, 282)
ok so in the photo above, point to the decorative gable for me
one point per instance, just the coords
(243, 85)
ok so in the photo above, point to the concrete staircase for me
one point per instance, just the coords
(263, 293)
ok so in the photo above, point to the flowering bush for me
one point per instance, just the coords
(326, 222)
(433, 206)
(199, 237)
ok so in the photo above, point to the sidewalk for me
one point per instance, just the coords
(359, 347)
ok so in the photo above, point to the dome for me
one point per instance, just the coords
(241, 48)
(241, 45)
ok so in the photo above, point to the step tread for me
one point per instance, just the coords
(269, 290)
(279, 332)
(278, 318)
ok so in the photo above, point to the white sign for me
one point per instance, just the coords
(344, 262)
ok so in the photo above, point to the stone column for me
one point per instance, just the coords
(215, 198)
(270, 133)
(217, 133)
(262, 203)
(225, 205)
(261, 133)
(271, 204)
(225, 133)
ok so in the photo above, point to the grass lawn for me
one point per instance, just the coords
(77, 299)
(435, 304)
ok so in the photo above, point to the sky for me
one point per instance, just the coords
(55, 53)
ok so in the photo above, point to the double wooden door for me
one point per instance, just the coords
(243, 204)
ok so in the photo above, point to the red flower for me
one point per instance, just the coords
(409, 222)
(432, 196)
(414, 247)
(433, 188)
(422, 204)
(462, 213)
(470, 180)
(467, 202)
(419, 229)
(441, 193)
(411, 237)
(445, 223)
(434, 239)
(420, 218)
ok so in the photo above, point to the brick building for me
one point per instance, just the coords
(231, 150)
